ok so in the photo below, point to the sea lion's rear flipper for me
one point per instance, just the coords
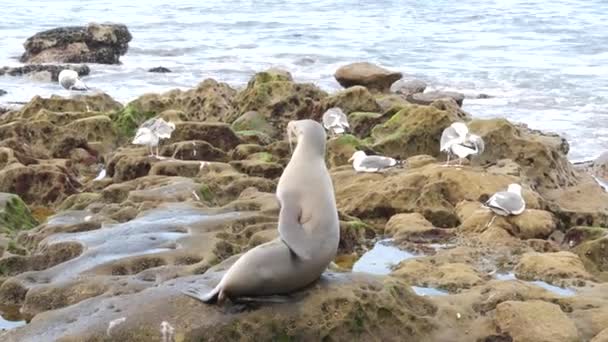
(291, 230)
(210, 297)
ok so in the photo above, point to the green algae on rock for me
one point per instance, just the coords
(14, 215)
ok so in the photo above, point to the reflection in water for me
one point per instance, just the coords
(381, 258)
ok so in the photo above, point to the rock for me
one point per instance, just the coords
(128, 165)
(194, 150)
(601, 337)
(209, 101)
(38, 183)
(277, 98)
(181, 168)
(258, 168)
(365, 74)
(535, 321)
(599, 168)
(348, 307)
(391, 104)
(94, 43)
(542, 157)
(51, 69)
(2, 92)
(159, 69)
(219, 135)
(532, 224)
(431, 190)
(362, 123)
(579, 234)
(414, 227)
(253, 121)
(353, 99)
(431, 96)
(451, 276)
(551, 267)
(14, 215)
(594, 255)
(412, 131)
(340, 149)
(86, 105)
(406, 88)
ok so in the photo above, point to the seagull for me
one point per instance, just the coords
(151, 132)
(506, 203)
(456, 140)
(70, 80)
(335, 121)
(365, 163)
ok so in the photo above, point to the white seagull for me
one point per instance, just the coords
(151, 132)
(457, 140)
(335, 121)
(365, 163)
(70, 80)
(506, 203)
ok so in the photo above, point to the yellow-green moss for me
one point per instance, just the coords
(14, 215)
(127, 120)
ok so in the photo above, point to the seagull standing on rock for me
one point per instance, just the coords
(506, 203)
(335, 121)
(70, 80)
(151, 132)
(365, 163)
(456, 140)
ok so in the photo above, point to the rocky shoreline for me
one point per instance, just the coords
(93, 260)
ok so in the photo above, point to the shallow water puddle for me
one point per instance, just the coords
(428, 291)
(10, 317)
(156, 230)
(381, 258)
(565, 292)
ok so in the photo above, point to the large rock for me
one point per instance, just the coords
(551, 267)
(414, 130)
(94, 43)
(40, 184)
(365, 74)
(541, 156)
(14, 215)
(353, 99)
(220, 135)
(278, 99)
(432, 96)
(41, 71)
(594, 255)
(209, 101)
(535, 321)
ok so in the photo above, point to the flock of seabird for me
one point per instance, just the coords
(455, 141)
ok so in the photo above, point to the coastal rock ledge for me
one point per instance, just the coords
(93, 43)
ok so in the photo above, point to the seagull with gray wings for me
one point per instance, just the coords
(151, 132)
(70, 80)
(335, 121)
(456, 140)
(506, 203)
(365, 163)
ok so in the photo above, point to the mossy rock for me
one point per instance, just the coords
(254, 137)
(262, 156)
(79, 201)
(253, 121)
(341, 148)
(14, 215)
(412, 131)
(127, 120)
(361, 123)
(270, 75)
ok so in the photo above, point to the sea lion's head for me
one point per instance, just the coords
(307, 133)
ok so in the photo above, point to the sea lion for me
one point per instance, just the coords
(308, 227)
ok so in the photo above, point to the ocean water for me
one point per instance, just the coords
(544, 62)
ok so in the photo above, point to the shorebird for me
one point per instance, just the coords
(70, 80)
(456, 140)
(151, 132)
(335, 121)
(365, 163)
(506, 203)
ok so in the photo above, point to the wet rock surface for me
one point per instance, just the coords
(43, 71)
(371, 76)
(88, 258)
(94, 43)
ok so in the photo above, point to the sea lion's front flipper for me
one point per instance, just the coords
(291, 230)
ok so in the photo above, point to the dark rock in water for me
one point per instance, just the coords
(51, 71)
(408, 87)
(2, 92)
(159, 69)
(94, 43)
(369, 75)
(430, 96)
(484, 96)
